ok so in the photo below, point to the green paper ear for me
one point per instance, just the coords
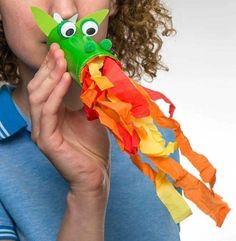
(98, 16)
(45, 22)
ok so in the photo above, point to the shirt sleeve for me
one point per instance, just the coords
(7, 227)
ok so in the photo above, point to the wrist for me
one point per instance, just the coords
(93, 184)
(88, 210)
(88, 204)
(77, 197)
(84, 217)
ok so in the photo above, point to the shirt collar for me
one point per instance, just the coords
(12, 119)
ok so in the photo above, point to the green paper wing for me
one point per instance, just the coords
(98, 16)
(45, 22)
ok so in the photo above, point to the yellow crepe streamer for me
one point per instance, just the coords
(152, 143)
(102, 81)
(173, 201)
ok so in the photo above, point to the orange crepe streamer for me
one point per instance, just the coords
(200, 162)
(129, 111)
(209, 202)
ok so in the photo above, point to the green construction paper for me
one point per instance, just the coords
(45, 22)
(98, 16)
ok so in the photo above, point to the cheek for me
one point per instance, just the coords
(26, 45)
(24, 38)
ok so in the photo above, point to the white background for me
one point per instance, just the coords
(201, 83)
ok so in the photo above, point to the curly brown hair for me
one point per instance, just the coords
(133, 30)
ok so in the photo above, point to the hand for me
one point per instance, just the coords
(78, 148)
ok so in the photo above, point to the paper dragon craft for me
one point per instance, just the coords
(129, 111)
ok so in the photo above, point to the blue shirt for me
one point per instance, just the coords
(33, 193)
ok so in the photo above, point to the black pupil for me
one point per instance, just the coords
(69, 32)
(90, 31)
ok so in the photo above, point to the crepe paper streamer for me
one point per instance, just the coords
(130, 112)
(171, 198)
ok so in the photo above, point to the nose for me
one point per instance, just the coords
(66, 8)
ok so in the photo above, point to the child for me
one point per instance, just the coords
(55, 176)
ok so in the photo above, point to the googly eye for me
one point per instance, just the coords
(68, 29)
(89, 28)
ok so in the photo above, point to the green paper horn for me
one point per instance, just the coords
(45, 22)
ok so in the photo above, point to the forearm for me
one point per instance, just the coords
(84, 217)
